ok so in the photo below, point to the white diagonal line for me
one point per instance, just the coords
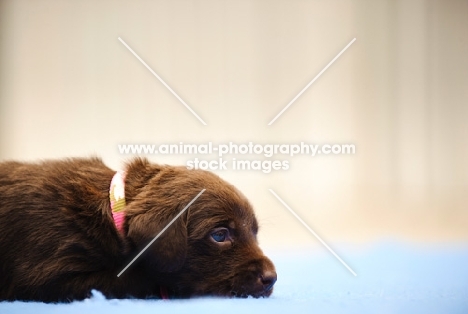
(310, 83)
(161, 232)
(312, 231)
(162, 81)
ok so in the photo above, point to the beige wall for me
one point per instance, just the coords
(68, 87)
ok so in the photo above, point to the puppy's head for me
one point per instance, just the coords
(212, 248)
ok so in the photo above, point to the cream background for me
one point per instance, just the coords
(68, 87)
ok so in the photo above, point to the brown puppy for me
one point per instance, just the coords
(58, 238)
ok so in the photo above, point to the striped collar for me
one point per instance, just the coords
(117, 199)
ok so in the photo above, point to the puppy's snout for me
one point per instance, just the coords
(268, 279)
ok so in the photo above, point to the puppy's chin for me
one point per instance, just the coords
(230, 294)
(252, 291)
(263, 294)
(231, 290)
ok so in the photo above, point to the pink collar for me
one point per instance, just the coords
(117, 199)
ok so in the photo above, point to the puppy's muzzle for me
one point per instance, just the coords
(257, 280)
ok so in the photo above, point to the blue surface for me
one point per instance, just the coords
(392, 278)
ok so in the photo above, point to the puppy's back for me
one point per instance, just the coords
(53, 224)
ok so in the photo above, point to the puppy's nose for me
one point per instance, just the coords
(268, 279)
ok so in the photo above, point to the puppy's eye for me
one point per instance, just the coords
(220, 235)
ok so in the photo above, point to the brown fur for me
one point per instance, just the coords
(58, 240)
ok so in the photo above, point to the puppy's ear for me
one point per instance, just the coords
(167, 253)
(139, 172)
